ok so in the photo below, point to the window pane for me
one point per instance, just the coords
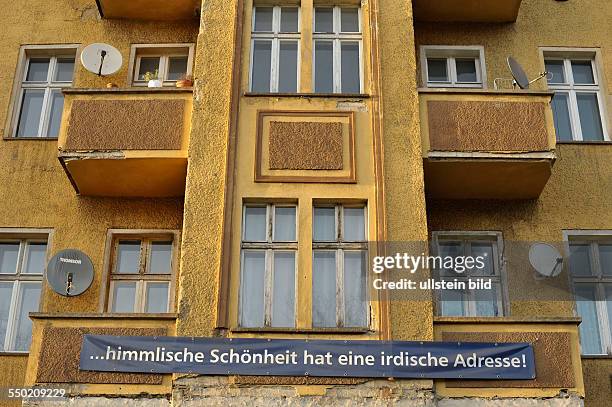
(124, 296)
(29, 297)
(605, 259)
(590, 119)
(350, 67)
(31, 108)
(437, 70)
(349, 20)
(556, 69)
(486, 302)
(580, 259)
(6, 292)
(451, 303)
(590, 340)
(287, 67)
(263, 19)
(324, 67)
(36, 258)
(324, 20)
(284, 224)
(262, 54)
(466, 70)
(128, 256)
(157, 297)
(148, 64)
(563, 125)
(324, 225)
(608, 290)
(289, 19)
(283, 296)
(484, 250)
(449, 249)
(354, 224)
(55, 114)
(160, 258)
(255, 229)
(324, 289)
(64, 70)
(583, 72)
(9, 253)
(177, 67)
(355, 305)
(38, 70)
(252, 289)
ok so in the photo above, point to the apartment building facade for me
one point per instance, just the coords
(316, 135)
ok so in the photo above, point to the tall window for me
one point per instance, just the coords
(171, 62)
(22, 265)
(456, 66)
(339, 279)
(268, 261)
(337, 50)
(40, 101)
(275, 49)
(577, 104)
(142, 274)
(591, 273)
(470, 303)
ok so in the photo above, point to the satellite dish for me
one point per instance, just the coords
(518, 73)
(545, 259)
(70, 272)
(101, 59)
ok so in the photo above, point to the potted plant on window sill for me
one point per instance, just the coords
(185, 81)
(152, 79)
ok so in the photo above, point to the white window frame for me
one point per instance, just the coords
(593, 238)
(270, 247)
(340, 246)
(163, 52)
(27, 52)
(451, 54)
(499, 266)
(276, 37)
(572, 89)
(24, 237)
(146, 237)
(337, 37)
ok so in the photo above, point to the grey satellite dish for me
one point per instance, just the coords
(545, 259)
(101, 59)
(70, 272)
(520, 77)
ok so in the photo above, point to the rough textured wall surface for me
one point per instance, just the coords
(487, 126)
(305, 146)
(597, 381)
(152, 124)
(40, 193)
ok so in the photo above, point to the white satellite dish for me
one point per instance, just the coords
(101, 59)
(546, 259)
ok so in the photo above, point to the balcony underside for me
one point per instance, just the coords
(476, 11)
(486, 178)
(155, 10)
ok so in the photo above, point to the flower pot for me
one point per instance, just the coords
(154, 83)
(184, 83)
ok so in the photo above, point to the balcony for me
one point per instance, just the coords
(152, 10)
(472, 11)
(486, 145)
(126, 142)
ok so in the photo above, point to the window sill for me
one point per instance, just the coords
(596, 356)
(507, 320)
(593, 142)
(318, 331)
(309, 95)
(29, 139)
(15, 353)
(100, 315)
(485, 91)
(168, 89)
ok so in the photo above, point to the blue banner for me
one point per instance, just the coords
(280, 357)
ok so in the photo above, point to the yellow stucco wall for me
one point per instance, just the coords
(40, 193)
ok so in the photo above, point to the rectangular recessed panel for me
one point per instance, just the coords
(305, 146)
(137, 124)
(487, 126)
